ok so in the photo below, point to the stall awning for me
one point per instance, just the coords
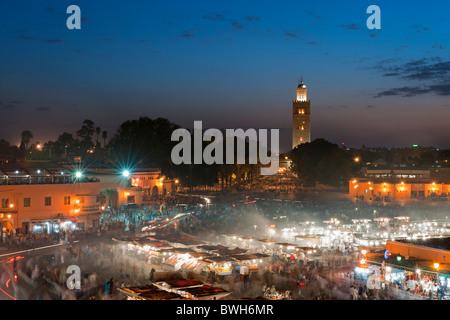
(73, 219)
(41, 221)
(284, 244)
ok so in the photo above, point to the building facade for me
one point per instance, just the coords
(139, 186)
(301, 117)
(399, 185)
(45, 202)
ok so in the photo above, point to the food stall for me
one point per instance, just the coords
(148, 292)
(221, 265)
(179, 240)
(251, 261)
(195, 262)
(150, 250)
(192, 289)
(206, 292)
(211, 249)
(267, 245)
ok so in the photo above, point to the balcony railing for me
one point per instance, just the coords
(44, 180)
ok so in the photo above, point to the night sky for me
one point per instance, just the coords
(232, 64)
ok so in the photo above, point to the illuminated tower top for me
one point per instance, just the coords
(301, 92)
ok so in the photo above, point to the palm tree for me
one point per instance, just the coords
(110, 194)
(104, 136)
(97, 131)
(26, 137)
(86, 131)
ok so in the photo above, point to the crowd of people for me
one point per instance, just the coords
(107, 267)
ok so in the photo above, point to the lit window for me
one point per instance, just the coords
(48, 201)
(5, 203)
(67, 200)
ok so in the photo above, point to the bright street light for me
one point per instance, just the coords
(126, 173)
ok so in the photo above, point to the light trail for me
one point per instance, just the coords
(34, 249)
(8, 294)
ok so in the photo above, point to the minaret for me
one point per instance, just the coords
(301, 117)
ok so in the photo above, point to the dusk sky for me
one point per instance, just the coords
(231, 64)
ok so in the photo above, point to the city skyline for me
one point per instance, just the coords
(231, 67)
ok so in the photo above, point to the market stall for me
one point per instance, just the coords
(222, 266)
(251, 262)
(149, 292)
(192, 289)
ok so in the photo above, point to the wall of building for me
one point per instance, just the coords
(396, 191)
(417, 251)
(61, 201)
(138, 187)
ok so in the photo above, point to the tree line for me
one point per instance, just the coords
(140, 143)
(146, 143)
